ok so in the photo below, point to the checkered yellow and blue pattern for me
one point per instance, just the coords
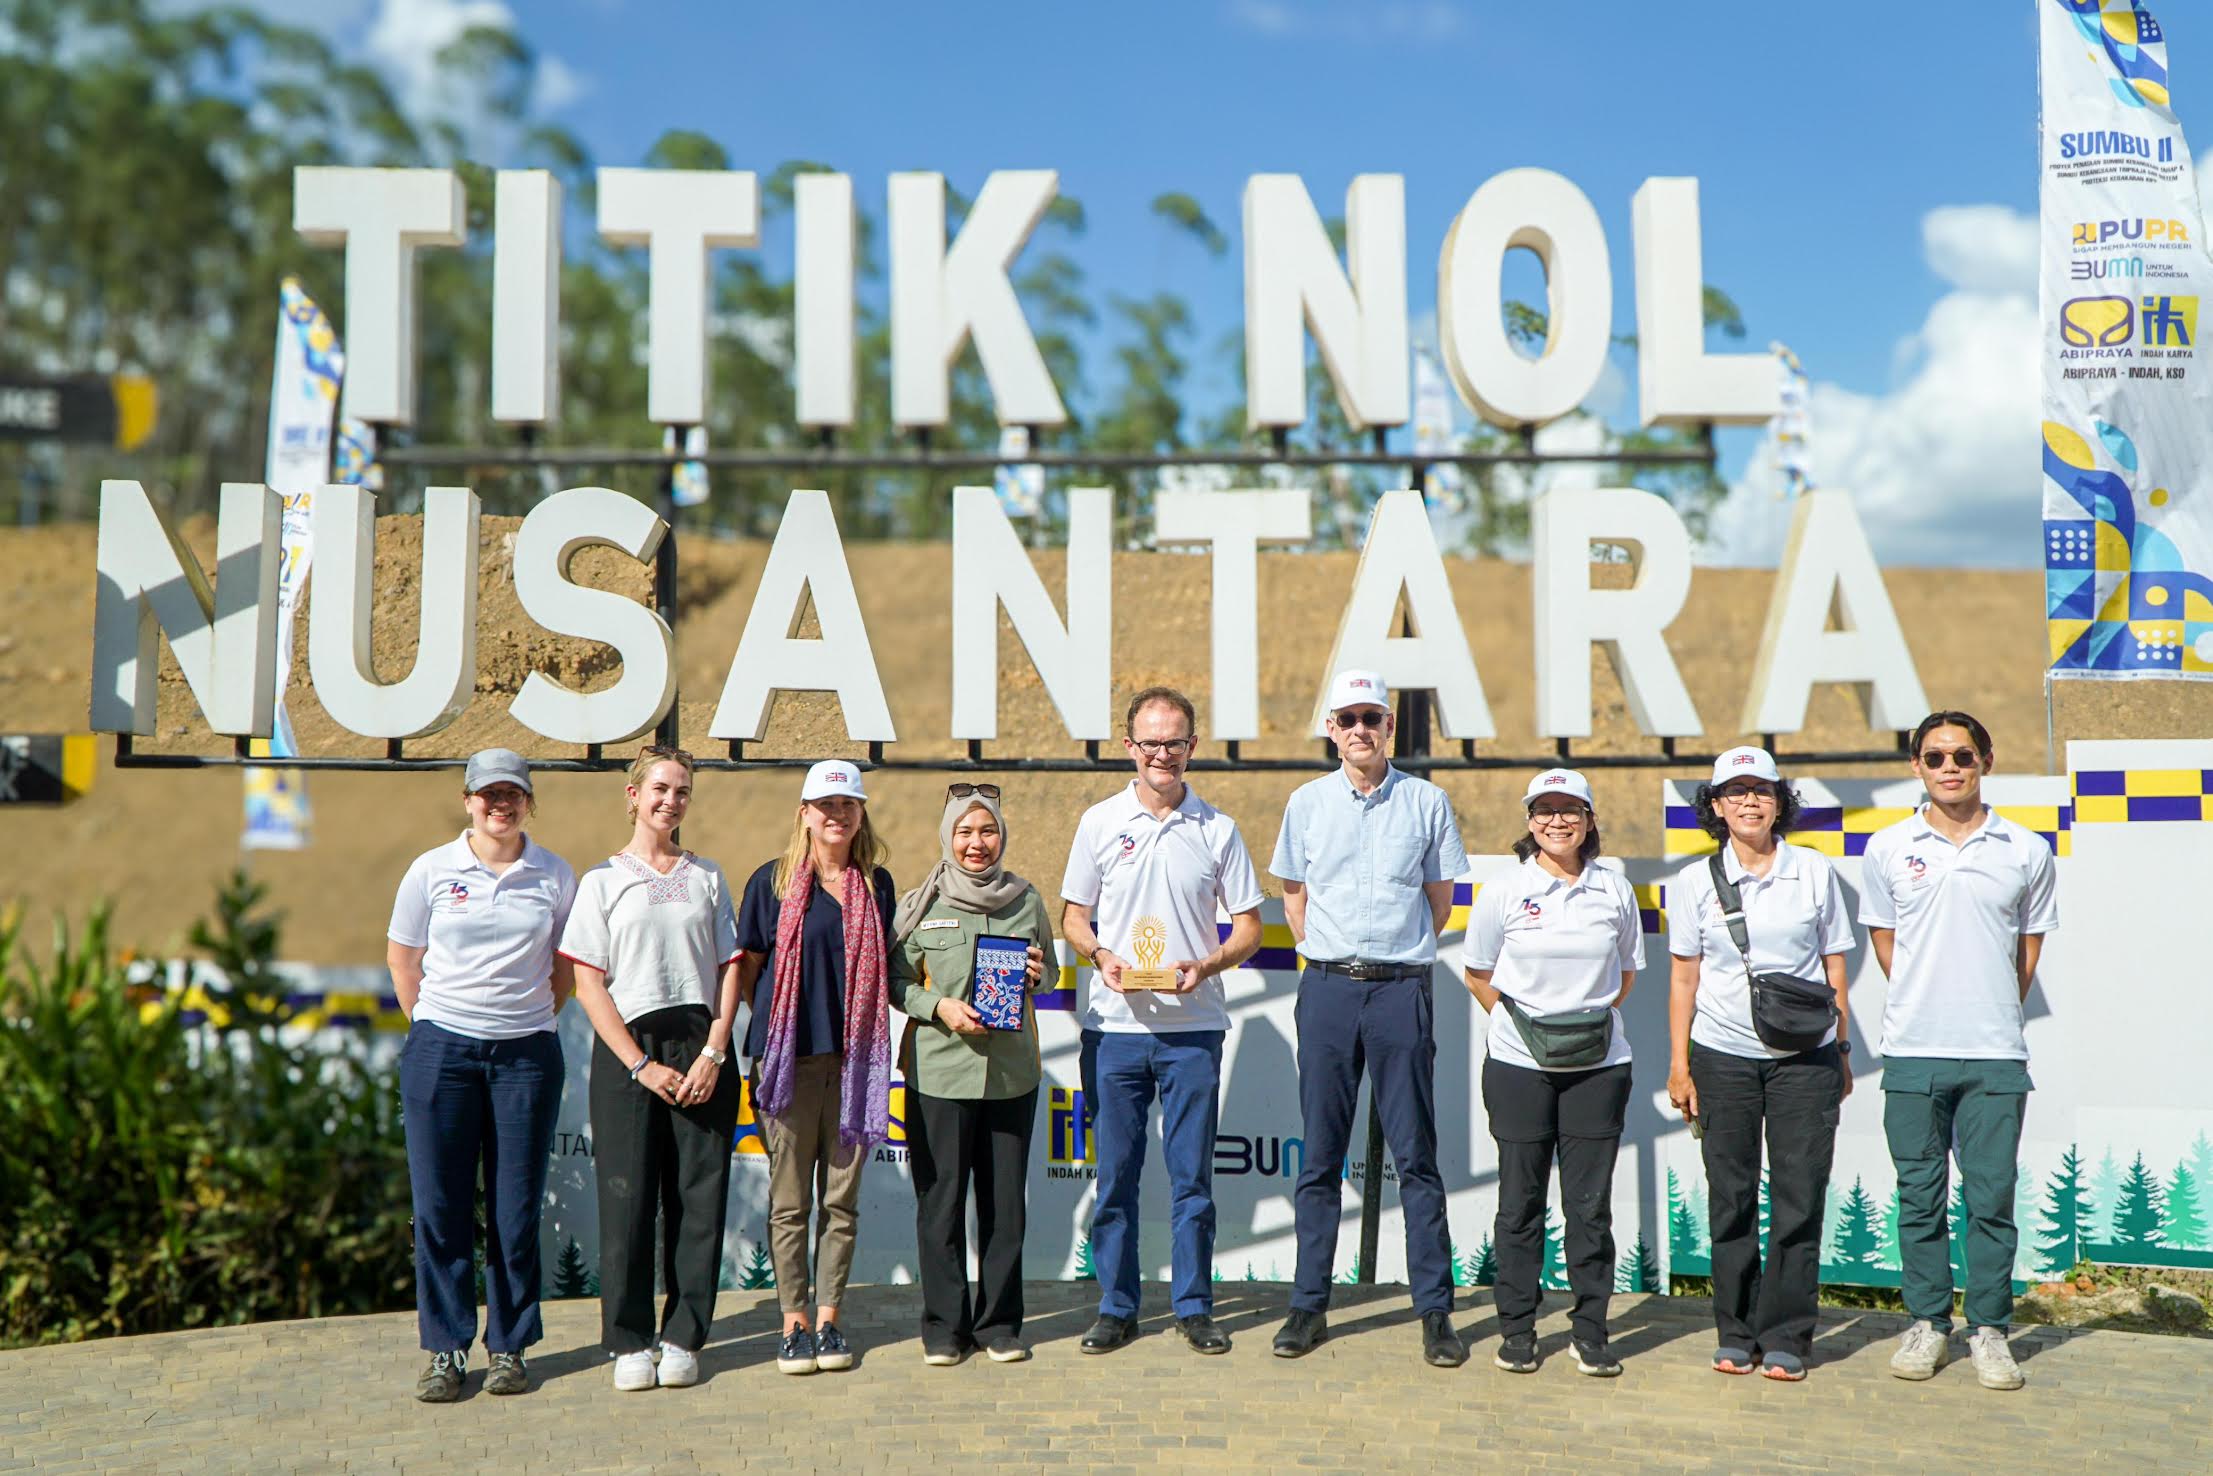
(2120, 796)
(1837, 830)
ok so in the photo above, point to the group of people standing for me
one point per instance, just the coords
(491, 933)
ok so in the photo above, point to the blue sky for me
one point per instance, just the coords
(1867, 172)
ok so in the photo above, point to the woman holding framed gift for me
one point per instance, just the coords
(1756, 1024)
(1552, 949)
(814, 927)
(970, 949)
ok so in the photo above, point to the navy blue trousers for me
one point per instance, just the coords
(471, 1105)
(1185, 1069)
(1388, 1026)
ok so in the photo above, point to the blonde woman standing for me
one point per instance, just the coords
(814, 926)
(654, 945)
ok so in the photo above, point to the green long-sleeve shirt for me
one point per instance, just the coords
(937, 963)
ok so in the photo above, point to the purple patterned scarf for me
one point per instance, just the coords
(865, 1084)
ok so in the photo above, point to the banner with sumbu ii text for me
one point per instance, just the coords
(2128, 482)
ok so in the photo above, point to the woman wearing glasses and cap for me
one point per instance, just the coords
(655, 949)
(969, 947)
(1552, 950)
(1760, 1046)
(814, 926)
(472, 960)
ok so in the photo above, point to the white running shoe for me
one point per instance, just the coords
(1921, 1352)
(679, 1367)
(1994, 1365)
(634, 1371)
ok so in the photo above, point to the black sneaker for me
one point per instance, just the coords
(1005, 1347)
(941, 1350)
(1518, 1354)
(1441, 1346)
(832, 1353)
(1109, 1333)
(1593, 1359)
(507, 1375)
(441, 1381)
(1200, 1331)
(796, 1354)
(1301, 1333)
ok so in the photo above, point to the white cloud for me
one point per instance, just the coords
(1392, 20)
(406, 36)
(1944, 464)
(557, 85)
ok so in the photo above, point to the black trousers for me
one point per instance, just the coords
(1537, 1116)
(953, 1142)
(1795, 1099)
(655, 1159)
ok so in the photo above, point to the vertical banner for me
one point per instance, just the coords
(303, 399)
(688, 483)
(1792, 430)
(1433, 432)
(1020, 484)
(2128, 489)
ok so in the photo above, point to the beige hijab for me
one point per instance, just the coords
(970, 891)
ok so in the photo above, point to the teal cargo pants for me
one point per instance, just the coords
(1934, 1108)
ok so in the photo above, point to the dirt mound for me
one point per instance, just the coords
(156, 840)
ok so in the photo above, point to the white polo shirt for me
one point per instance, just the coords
(487, 940)
(1125, 865)
(1795, 916)
(1958, 912)
(661, 940)
(1553, 946)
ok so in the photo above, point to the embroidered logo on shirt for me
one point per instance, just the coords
(1128, 843)
(1531, 908)
(939, 922)
(457, 894)
(1918, 869)
(675, 887)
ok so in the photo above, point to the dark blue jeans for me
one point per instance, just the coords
(1388, 1026)
(1185, 1068)
(471, 1103)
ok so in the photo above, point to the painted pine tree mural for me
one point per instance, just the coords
(759, 1273)
(1637, 1271)
(1452, 1259)
(1685, 1234)
(1086, 1268)
(2181, 1219)
(2136, 1213)
(1858, 1241)
(1763, 1214)
(1483, 1265)
(571, 1277)
(2200, 1160)
(2066, 1212)
(1959, 1232)
(1890, 1232)
(2105, 1193)
(1555, 1265)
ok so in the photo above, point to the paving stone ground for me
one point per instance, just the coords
(336, 1396)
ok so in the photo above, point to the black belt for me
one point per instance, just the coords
(1370, 972)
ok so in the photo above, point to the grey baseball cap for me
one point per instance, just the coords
(491, 766)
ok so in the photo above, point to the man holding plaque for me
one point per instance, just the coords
(1145, 875)
(1368, 856)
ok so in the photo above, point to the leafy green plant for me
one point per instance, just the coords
(163, 1173)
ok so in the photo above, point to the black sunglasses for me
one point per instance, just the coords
(663, 751)
(1964, 758)
(1366, 717)
(963, 791)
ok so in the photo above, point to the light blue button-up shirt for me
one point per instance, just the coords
(1364, 859)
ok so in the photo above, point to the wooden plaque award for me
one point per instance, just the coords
(1148, 945)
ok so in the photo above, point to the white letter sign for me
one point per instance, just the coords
(1401, 554)
(443, 679)
(1293, 282)
(1539, 210)
(991, 568)
(550, 536)
(1629, 624)
(1236, 523)
(381, 216)
(677, 214)
(1678, 382)
(526, 297)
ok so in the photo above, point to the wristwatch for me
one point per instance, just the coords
(720, 1058)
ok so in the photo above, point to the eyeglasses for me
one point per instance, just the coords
(963, 791)
(1155, 747)
(1746, 796)
(1556, 817)
(1964, 758)
(663, 751)
(1366, 717)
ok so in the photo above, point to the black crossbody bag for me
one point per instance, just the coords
(1788, 1013)
(1570, 1041)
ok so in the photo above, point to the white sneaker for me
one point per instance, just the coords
(679, 1367)
(1994, 1365)
(1921, 1352)
(634, 1371)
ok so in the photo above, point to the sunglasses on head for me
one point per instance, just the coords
(664, 751)
(963, 791)
(1964, 758)
(1366, 717)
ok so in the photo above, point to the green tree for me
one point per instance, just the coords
(571, 1278)
(2181, 1221)
(2105, 1194)
(1555, 1265)
(1086, 1268)
(2137, 1215)
(2066, 1212)
(1683, 1231)
(759, 1273)
(1638, 1272)
(1483, 1265)
(1858, 1242)
(1891, 1238)
(1452, 1259)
